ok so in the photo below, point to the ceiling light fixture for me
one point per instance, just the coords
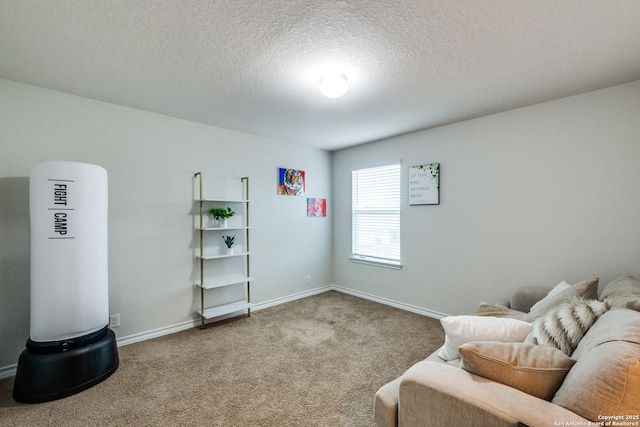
(333, 85)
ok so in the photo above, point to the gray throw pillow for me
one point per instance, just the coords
(587, 289)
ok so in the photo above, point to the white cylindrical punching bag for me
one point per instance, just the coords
(69, 250)
(70, 347)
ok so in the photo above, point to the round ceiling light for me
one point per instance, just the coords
(333, 85)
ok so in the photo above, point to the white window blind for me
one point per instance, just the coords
(376, 215)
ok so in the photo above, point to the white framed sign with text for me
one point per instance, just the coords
(424, 184)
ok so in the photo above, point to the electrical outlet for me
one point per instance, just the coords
(114, 320)
(308, 280)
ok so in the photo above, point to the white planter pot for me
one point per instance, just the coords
(222, 223)
(229, 251)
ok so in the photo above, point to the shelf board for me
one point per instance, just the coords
(214, 256)
(225, 281)
(223, 228)
(223, 200)
(221, 310)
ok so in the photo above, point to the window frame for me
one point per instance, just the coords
(368, 257)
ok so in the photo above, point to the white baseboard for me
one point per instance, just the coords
(389, 302)
(9, 371)
(289, 298)
(155, 333)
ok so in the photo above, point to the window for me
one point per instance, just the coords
(375, 215)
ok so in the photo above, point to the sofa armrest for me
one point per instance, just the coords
(437, 395)
(386, 400)
(523, 299)
(385, 408)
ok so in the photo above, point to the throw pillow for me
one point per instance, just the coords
(587, 289)
(556, 290)
(623, 292)
(564, 326)
(633, 305)
(538, 371)
(462, 329)
(622, 286)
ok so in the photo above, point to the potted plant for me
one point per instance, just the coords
(228, 240)
(221, 215)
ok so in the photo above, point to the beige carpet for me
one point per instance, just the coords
(317, 361)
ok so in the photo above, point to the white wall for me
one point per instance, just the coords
(151, 160)
(531, 196)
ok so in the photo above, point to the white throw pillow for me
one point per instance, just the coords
(463, 329)
(556, 290)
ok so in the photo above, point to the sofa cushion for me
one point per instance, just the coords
(499, 311)
(606, 377)
(462, 329)
(438, 395)
(614, 325)
(587, 289)
(623, 292)
(538, 371)
(606, 382)
(564, 326)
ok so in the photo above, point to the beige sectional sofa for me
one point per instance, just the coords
(525, 384)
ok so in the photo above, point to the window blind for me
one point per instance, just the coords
(376, 214)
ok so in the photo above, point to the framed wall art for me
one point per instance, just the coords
(424, 184)
(316, 207)
(291, 182)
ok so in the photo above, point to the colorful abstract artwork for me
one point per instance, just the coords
(291, 182)
(316, 207)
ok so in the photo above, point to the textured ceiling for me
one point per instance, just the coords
(254, 66)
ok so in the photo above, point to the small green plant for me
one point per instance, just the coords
(221, 213)
(228, 240)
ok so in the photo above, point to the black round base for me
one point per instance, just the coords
(50, 376)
